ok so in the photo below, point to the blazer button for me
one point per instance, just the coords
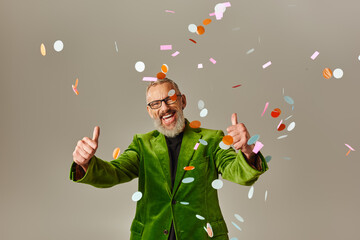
(166, 232)
(173, 201)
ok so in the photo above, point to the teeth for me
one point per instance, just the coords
(167, 116)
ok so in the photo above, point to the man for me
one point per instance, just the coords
(169, 206)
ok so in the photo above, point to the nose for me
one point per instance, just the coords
(164, 107)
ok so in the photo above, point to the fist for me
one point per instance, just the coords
(240, 136)
(86, 148)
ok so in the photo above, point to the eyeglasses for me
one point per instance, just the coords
(157, 103)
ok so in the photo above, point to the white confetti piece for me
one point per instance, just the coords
(266, 64)
(266, 194)
(291, 126)
(251, 192)
(338, 73)
(201, 104)
(203, 142)
(58, 45)
(238, 217)
(136, 196)
(283, 136)
(116, 47)
(250, 51)
(217, 184)
(139, 66)
(184, 203)
(200, 217)
(288, 117)
(223, 146)
(203, 112)
(188, 180)
(236, 226)
(200, 65)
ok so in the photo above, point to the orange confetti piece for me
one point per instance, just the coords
(228, 140)
(195, 124)
(164, 68)
(173, 97)
(76, 83)
(200, 30)
(161, 75)
(327, 73)
(188, 168)
(276, 112)
(281, 127)
(207, 21)
(192, 40)
(116, 153)
(348, 152)
(42, 49)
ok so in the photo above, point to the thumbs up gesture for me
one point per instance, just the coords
(240, 136)
(86, 148)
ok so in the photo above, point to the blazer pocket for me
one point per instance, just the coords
(137, 227)
(219, 228)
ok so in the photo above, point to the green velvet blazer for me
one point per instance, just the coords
(147, 158)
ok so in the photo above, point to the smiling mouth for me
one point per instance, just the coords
(168, 118)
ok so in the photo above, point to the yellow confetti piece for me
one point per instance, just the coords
(42, 49)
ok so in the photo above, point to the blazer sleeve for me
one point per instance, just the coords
(233, 166)
(104, 174)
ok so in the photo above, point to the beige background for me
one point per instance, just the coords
(314, 195)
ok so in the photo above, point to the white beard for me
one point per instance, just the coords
(179, 126)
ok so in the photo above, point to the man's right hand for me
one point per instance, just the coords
(85, 149)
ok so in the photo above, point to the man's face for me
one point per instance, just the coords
(168, 119)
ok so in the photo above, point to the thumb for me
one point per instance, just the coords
(96, 133)
(234, 119)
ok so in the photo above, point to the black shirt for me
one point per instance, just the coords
(174, 145)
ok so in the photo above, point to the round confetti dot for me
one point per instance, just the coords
(136, 196)
(251, 192)
(171, 92)
(327, 73)
(281, 127)
(189, 168)
(220, 8)
(140, 66)
(268, 158)
(160, 75)
(291, 126)
(203, 112)
(184, 203)
(200, 30)
(164, 68)
(200, 217)
(203, 142)
(195, 124)
(192, 28)
(42, 49)
(276, 113)
(238, 217)
(222, 145)
(253, 139)
(217, 184)
(228, 140)
(236, 226)
(207, 21)
(201, 104)
(188, 180)
(289, 100)
(116, 153)
(58, 45)
(338, 73)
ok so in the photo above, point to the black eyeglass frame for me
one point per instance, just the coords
(163, 100)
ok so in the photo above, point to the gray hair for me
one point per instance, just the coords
(162, 81)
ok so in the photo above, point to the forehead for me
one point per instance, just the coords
(159, 91)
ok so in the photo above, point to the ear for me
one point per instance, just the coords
(149, 111)
(183, 99)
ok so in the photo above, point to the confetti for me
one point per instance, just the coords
(288, 117)
(200, 217)
(228, 140)
(58, 45)
(116, 153)
(200, 30)
(184, 203)
(219, 15)
(165, 69)
(359, 57)
(266, 195)
(287, 158)
(201, 104)
(251, 192)
(189, 168)
(266, 64)
(338, 73)
(281, 127)
(289, 100)
(234, 238)
(207, 21)
(75, 90)
(236, 86)
(212, 60)
(175, 54)
(279, 124)
(160, 75)
(195, 124)
(223, 146)
(258, 147)
(171, 92)
(42, 49)
(250, 51)
(266, 106)
(149, 79)
(236, 226)
(203, 142)
(327, 73)
(136, 196)
(188, 180)
(192, 28)
(217, 184)
(283, 136)
(196, 146)
(116, 47)
(238, 217)
(315, 54)
(204, 112)
(227, 4)
(220, 8)
(139, 66)
(268, 158)
(209, 230)
(76, 82)
(212, 14)
(169, 11)
(253, 139)
(349, 147)
(291, 126)
(276, 113)
(200, 65)
(192, 40)
(165, 47)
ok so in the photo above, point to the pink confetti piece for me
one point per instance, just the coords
(149, 79)
(227, 4)
(266, 106)
(236, 86)
(169, 11)
(212, 60)
(175, 53)
(212, 14)
(266, 64)
(196, 146)
(349, 147)
(200, 65)
(219, 15)
(75, 90)
(258, 147)
(279, 124)
(165, 47)
(316, 53)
